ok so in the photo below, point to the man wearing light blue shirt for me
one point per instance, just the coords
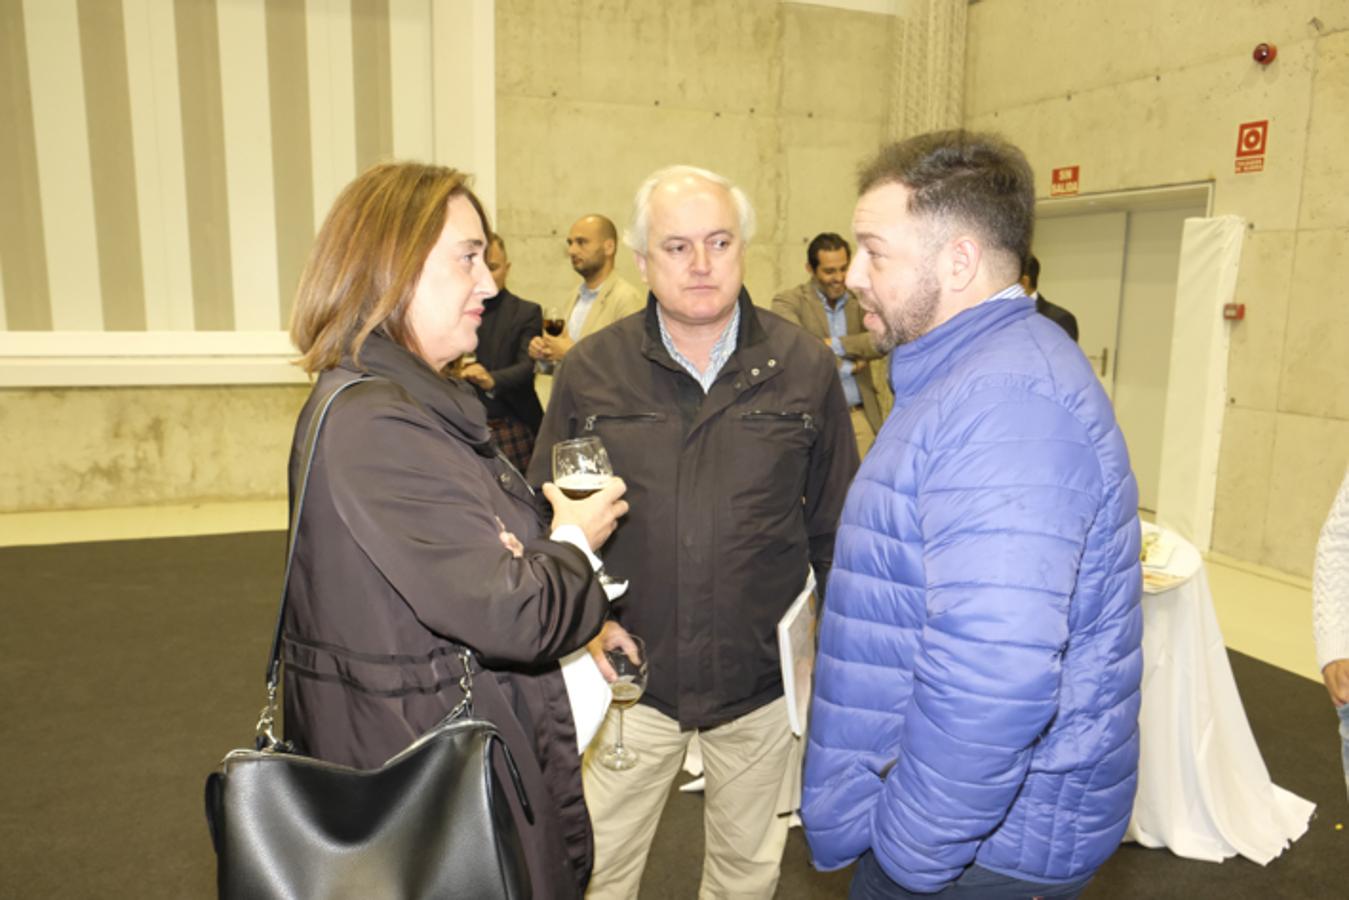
(826, 308)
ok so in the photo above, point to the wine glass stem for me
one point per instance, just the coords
(619, 745)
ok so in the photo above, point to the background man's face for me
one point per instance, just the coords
(694, 260)
(831, 272)
(586, 247)
(894, 273)
(498, 265)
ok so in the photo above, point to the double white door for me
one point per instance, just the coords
(1116, 272)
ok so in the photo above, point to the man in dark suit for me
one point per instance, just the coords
(503, 373)
(1030, 278)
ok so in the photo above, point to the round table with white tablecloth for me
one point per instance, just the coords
(1203, 789)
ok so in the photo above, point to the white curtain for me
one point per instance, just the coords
(1210, 253)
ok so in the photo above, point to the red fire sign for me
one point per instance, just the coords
(1251, 140)
(1064, 181)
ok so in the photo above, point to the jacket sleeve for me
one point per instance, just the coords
(1330, 582)
(860, 346)
(521, 372)
(833, 463)
(421, 509)
(1006, 498)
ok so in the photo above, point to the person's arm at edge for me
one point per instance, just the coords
(1330, 597)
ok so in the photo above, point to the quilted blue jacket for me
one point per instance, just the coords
(977, 685)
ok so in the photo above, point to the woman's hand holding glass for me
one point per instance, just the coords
(596, 515)
(581, 468)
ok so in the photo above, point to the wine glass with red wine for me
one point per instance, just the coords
(553, 326)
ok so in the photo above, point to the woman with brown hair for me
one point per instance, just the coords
(417, 536)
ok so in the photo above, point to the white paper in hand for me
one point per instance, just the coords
(589, 694)
(796, 650)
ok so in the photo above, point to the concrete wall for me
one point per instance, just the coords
(1148, 94)
(785, 99)
(89, 448)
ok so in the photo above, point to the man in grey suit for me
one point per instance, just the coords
(826, 308)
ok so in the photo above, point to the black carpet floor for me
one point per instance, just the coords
(129, 668)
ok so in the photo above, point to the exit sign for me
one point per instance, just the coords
(1064, 181)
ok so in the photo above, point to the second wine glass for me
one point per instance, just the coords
(627, 690)
(553, 325)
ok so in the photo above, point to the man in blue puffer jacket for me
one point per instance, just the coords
(974, 728)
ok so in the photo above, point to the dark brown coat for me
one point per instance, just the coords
(399, 557)
(733, 494)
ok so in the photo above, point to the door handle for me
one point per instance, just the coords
(1103, 359)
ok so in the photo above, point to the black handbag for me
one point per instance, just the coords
(431, 822)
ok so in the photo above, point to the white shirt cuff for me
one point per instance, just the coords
(1329, 649)
(572, 534)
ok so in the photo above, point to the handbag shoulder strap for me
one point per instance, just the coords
(267, 719)
(296, 507)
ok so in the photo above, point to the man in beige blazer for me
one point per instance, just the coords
(826, 308)
(603, 296)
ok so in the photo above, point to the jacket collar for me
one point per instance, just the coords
(450, 401)
(751, 345)
(916, 363)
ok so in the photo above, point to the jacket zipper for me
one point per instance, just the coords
(807, 421)
(635, 417)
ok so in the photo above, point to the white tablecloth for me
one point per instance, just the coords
(1203, 789)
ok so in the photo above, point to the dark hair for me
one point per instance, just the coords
(367, 258)
(977, 180)
(496, 240)
(825, 240)
(1031, 271)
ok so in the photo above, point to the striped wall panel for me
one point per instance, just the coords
(164, 164)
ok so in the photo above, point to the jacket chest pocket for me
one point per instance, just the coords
(772, 455)
(636, 442)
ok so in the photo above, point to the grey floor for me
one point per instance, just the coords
(129, 668)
